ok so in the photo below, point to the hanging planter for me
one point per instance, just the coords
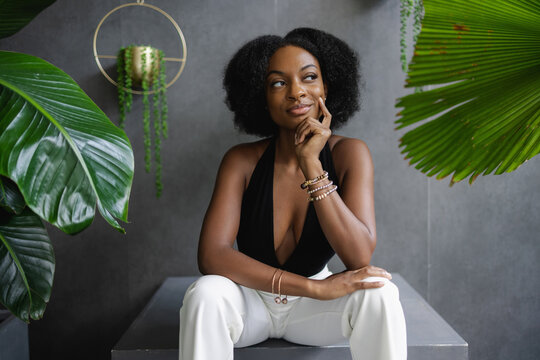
(143, 67)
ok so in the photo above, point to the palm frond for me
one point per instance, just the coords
(483, 114)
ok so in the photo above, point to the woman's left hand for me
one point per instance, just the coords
(311, 134)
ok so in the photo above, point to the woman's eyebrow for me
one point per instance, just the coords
(275, 72)
(282, 73)
(308, 65)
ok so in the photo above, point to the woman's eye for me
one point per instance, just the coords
(277, 83)
(311, 77)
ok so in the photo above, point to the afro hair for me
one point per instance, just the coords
(245, 76)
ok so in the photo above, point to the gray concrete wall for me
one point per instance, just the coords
(471, 251)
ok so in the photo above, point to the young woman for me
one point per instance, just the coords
(291, 201)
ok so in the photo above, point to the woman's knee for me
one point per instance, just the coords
(208, 289)
(386, 294)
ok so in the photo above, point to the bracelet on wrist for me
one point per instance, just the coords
(319, 178)
(322, 196)
(322, 187)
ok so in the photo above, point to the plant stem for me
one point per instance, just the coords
(146, 116)
(120, 87)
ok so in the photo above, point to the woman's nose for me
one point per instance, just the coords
(296, 91)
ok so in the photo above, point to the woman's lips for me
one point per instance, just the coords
(299, 109)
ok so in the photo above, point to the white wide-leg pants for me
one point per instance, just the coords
(218, 315)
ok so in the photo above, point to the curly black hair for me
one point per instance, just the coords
(245, 75)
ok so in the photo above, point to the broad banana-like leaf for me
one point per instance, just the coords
(11, 198)
(15, 14)
(483, 113)
(61, 150)
(26, 264)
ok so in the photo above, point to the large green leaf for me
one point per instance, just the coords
(483, 114)
(15, 14)
(11, 198)
(62, 151)
(26, 264)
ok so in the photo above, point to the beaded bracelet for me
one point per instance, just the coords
(319, 178)
(320, 188)
(322, 196)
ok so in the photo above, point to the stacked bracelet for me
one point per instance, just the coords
(320, 188)
(316, 180)
(278, 299)
(322, 196)
(319, 178)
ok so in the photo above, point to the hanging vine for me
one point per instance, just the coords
(154, 82)
(416, 7)
(408, 7)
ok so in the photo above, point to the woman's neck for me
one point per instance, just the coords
(285, 150)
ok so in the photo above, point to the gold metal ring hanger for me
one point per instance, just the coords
(182, 59)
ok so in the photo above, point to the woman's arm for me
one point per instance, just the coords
(348, 221)
(216, 254)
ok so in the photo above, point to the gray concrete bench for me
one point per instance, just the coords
(13, 337)
(154, 333)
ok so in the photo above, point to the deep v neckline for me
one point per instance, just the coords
(273, 240)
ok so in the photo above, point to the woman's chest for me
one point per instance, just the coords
(290, 208)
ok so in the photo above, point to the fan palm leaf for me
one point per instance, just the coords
(482, 116)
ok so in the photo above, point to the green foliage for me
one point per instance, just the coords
(406, 8)
(26, 264)
(15, 14)
(11, 199)
(159, 103)
(483, 116)
(59, 157)
(63, 157)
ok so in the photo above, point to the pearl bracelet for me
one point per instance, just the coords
(320, 188)
(322, 196)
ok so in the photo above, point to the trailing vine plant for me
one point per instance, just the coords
(155, 85)
(416, 8)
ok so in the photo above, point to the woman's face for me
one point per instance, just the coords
(293, 86)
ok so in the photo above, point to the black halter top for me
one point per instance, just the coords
(256, 231)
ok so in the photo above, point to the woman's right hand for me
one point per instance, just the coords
(346, 282)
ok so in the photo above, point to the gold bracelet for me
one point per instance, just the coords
(273, 279)
(322, 196)
(319, 178)
(320, 188)
(278, 299)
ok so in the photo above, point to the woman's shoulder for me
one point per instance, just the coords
(247, 153)
(243, 158)
(348, 152)
(342, 145)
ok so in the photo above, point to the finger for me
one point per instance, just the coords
(300, 130)
(327, 120)
(306, 132)
(312, 127)
(371, 285)
(377, 271)
(374, 271)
